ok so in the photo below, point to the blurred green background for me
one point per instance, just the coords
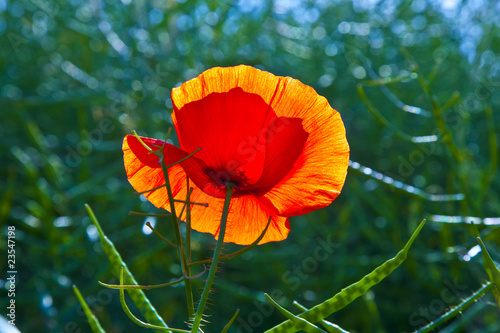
(76, 76)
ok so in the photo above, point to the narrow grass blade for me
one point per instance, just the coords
(349, 294)
(400, 186)
(382, 83)
(489, 265)
(138, 297)
(299, 323)
(466, 219)
(437, 111)
(472, 299)
(231, 321)
(462, 322)
(137, 320)
(385, 122)
(329, 326)
(95, 326)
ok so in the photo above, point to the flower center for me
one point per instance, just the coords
(221, 176)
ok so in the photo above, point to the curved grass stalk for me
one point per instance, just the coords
(182, 159)
(134, 318)
(376, 81)
(490, 267)
(492, 136)
(472, 299)
(349, 294)
(231, 321)
(154, 286)
(141, 287)
(466, 219)
(95, 326)
(493, 164)
(385, 122)
(467, 317)
(458, 155)
(382, 83)
(412, 190)
(215, 260)
(166, 240)
(435, 69)
(138, 296)
(175, 225)
(437, 111)
(145, 145)
(175, 219)
(150, 190)
(451, 101)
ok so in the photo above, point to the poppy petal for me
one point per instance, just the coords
(227, 126)
(144, 170)
(319, 172)
(223, 79)
(247, 219)
(285, 141)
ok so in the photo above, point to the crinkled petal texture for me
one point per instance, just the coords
(275, 138)
(247, 216)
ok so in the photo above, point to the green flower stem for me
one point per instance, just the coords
(178, 240)
(175, 221)
(188, 223)
(160, 235)
(215, 260)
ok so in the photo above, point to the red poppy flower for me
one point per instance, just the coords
(276, 139)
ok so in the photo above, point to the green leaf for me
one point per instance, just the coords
(349, 294)
(93, 322)
(138, 297)
(489, 265)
